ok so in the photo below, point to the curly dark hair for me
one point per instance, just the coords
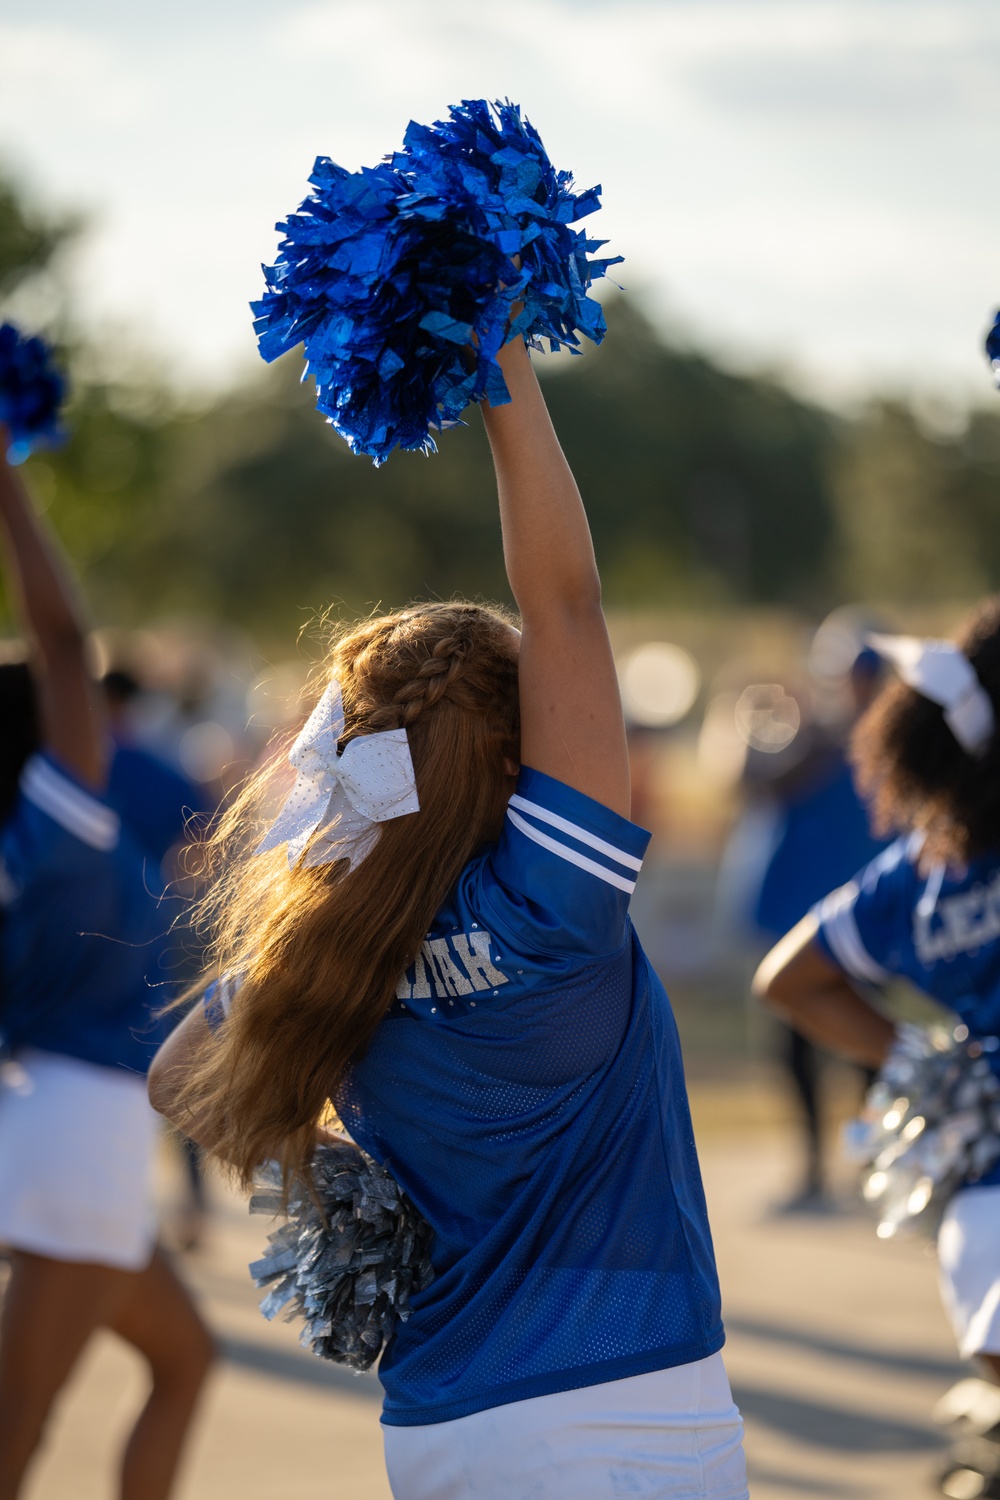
(915, 774)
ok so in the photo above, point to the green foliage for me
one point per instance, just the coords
(703, 487)
(101, 490)
(271, 518)
(919, 514)
(29, 239)
(700, 485)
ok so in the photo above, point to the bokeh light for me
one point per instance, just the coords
(659, 684)
(767, 717)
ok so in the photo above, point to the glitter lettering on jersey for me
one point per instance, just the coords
(459, 965)
(962, 923)
(448, 979)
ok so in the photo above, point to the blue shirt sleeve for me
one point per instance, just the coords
(559, 880)
(82, 931)
(53, 799)
(217, 1001)
(865, 925)
(156, 803)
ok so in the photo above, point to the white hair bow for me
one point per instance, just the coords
(941, 672)
(342, 797)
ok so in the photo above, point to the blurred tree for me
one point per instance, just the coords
(29, 239)
(973, 487)
(917, 514)
(703, 486)
(107, 474)
(104, 487)
(700, 485)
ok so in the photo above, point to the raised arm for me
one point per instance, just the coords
(571, 717)
(800, 984)
(54, 621)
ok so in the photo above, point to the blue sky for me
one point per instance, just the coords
(807, 184)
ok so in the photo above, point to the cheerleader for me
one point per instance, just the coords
(927, 756)
(444, 951)
(78, 932)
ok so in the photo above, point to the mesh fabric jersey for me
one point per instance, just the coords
(938, 928)
(81, 934)
(527, 1092)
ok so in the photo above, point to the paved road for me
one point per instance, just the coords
(837, 1350)
(837, 1347)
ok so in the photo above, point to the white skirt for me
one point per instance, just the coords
(969, 1266)
(672, 1433)
(77, 1145)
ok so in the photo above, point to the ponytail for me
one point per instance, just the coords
(320, 950)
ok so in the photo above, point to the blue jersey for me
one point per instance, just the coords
(527, 1092)
(939, 929)
(823, 837)
(80, 928)
(153, 800)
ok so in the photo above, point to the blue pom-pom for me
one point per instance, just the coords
(389, 275)
(993, 348)
(31, 393)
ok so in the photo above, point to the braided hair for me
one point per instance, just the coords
(320, 949)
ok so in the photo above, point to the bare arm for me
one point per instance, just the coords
(169, 1071)
(800, 984)
(571, 718)
(55, 622)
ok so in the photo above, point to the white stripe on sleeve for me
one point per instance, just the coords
(225, 993)
(576, 832)
(572, 856)
(836, 916)
(69, 806)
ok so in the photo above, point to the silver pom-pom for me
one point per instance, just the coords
(347, 1261)
(931, 1122)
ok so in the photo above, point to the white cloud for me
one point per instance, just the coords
(85, 76)
(808, 180)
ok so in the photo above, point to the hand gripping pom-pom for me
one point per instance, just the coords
(399, 280)
(931, 1123)
(31, 393)
(346, 1261)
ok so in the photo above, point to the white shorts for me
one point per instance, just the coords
(672, 1433)
(969, 1263)
(77, 1145)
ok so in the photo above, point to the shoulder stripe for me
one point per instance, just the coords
(226, 993)
(572, 856)
(836, 915)
(217, 1001)
(68, 805)
(576, 832)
